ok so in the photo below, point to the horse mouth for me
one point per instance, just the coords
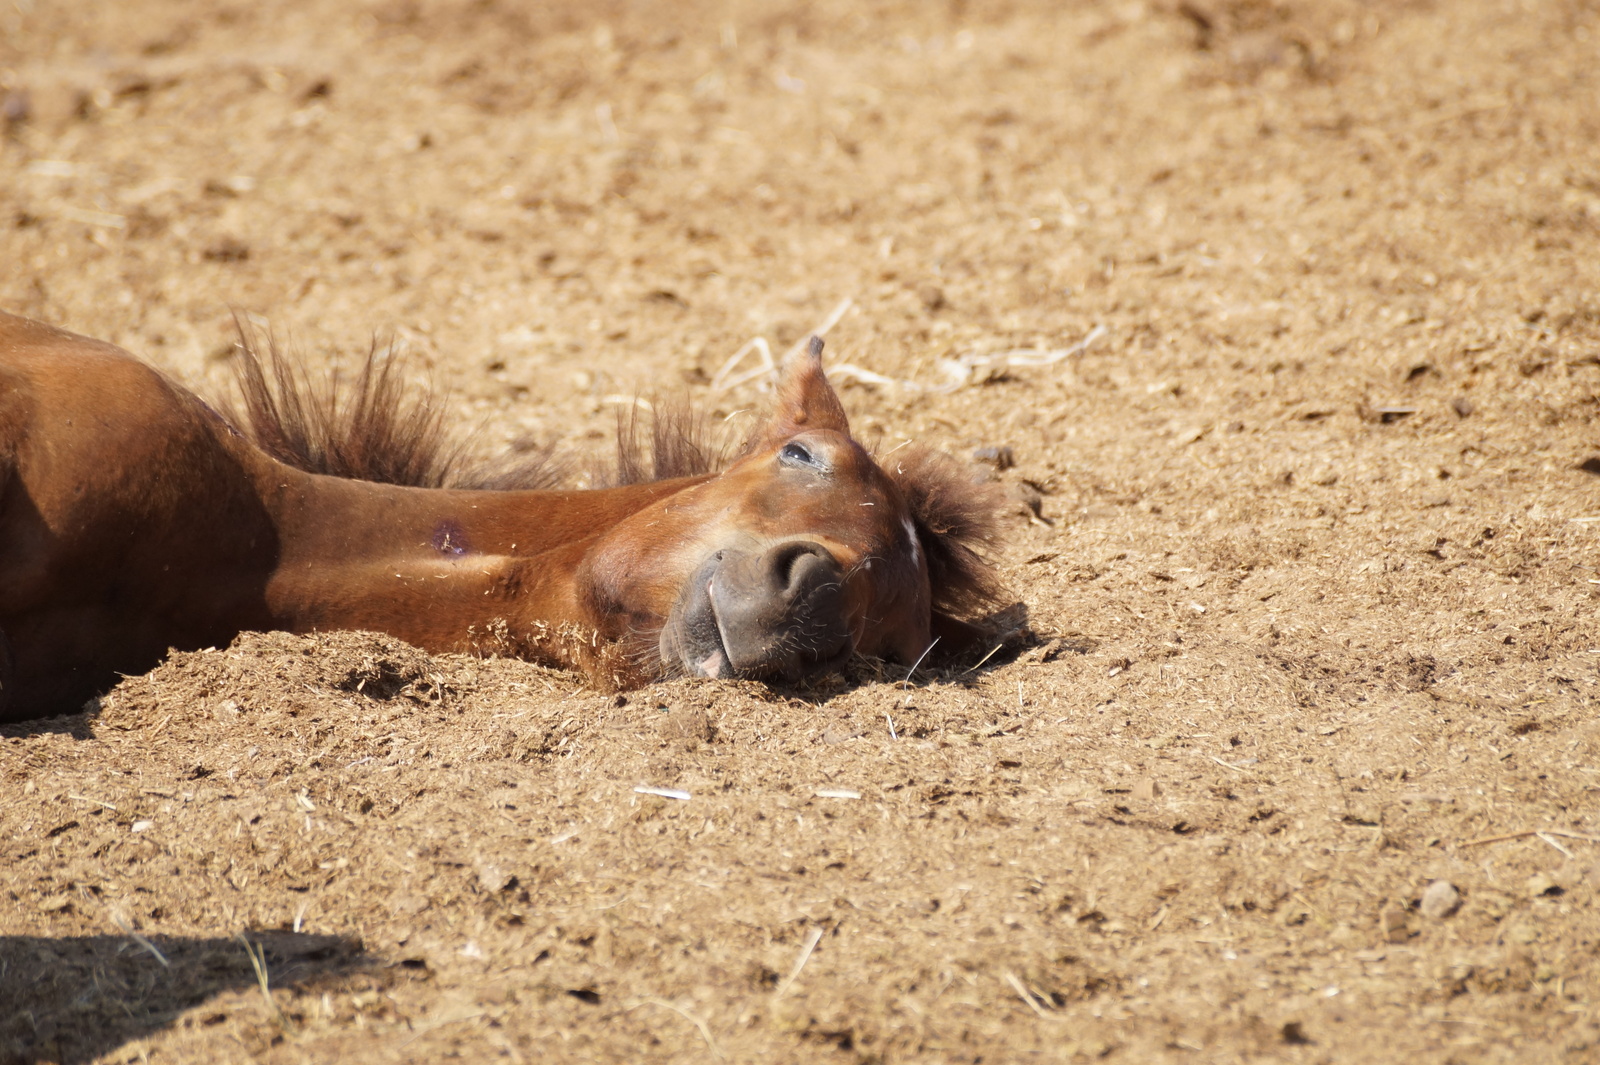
(715, 663)
(778, 613)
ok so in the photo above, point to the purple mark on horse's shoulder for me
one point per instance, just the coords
(450, 539)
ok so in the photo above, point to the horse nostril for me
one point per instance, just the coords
(789, 563)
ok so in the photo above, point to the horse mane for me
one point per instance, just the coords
(378, 426)
(957, 519)
(373, 428)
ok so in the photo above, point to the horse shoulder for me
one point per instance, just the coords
(96, 447)
(129, 521)
(88, 414)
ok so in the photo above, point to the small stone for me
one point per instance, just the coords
(1029, 502)
(1540, 884)
(493, 878)
(1396, 929)
(1440, 899)
(227, 250)
(1294, 1034)
(15, 108)
(999, 456)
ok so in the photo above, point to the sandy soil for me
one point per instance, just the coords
(1314, 570)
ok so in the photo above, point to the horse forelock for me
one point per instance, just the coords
(957, 521)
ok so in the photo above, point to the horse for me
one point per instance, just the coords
(136, 518)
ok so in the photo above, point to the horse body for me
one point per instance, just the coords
(134, 519)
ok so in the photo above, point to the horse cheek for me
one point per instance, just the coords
(619, 592)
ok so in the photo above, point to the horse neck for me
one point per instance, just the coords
(444, 569)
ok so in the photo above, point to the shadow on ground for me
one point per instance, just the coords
(75, 998)
(74, 725)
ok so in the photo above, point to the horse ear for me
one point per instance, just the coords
(805, 399)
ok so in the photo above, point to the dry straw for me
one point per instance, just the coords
(812, 940)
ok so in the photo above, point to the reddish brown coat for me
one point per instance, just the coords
(133, 519)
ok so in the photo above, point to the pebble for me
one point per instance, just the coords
(1540, 884)
(15, 108)
(1440, 899)
(1000, 457)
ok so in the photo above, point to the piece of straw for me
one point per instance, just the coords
(800, 963)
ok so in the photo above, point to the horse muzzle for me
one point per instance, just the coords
(774, 613)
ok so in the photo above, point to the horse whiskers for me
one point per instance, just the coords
(639, 646)
(905, 684)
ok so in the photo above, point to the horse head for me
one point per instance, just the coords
(804, 551)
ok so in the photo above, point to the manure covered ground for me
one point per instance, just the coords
(1289, 316)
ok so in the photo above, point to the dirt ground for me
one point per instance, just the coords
(1313, 571)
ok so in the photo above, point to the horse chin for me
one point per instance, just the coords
(776, 614)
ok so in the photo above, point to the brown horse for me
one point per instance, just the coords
(134, 518)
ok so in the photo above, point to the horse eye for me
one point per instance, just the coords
(798, 455)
